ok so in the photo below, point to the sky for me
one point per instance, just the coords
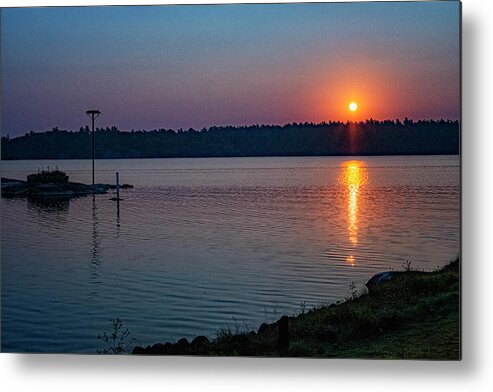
(150, 67)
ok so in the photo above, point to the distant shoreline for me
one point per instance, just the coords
(370, 138)
(233, 156)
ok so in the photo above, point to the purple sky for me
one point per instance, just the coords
(198, 66)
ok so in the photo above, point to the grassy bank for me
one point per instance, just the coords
(409, 315)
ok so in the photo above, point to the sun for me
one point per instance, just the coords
(353, 106)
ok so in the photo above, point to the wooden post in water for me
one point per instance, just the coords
(118, 200)
(117, 186)
(283, 330)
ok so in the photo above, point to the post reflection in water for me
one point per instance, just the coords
(118, 218)
(353, 177)
(96, 244)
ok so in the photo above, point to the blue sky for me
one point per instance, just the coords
(198, 66)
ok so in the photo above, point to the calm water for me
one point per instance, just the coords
(200, 243)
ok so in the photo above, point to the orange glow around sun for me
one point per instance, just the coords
(354, 93)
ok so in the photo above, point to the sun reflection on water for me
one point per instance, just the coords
(350, 260)
(353, 176)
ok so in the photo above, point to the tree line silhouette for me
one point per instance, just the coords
(371, 137)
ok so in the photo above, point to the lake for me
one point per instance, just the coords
(202, 244)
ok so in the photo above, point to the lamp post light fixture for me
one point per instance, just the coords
(93, 114)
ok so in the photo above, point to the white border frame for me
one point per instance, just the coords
(85, 373)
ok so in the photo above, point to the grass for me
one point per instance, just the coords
(414, 315)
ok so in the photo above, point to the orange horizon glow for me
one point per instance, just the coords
(374, 89)
(274, 65)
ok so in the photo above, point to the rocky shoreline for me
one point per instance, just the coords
(407, 315)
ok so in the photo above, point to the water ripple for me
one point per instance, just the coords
(205, 244)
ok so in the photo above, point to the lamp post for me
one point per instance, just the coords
(93, 114)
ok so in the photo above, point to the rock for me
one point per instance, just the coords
(157, 348)
(379, 278)
(199, 346)
(200, 341)
(47, 177)
(263, 328)
(6, 182)
(182, 346)
(123, 186)
(57, 189)
(167, 348)
(139, 350)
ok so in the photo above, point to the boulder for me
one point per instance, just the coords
(263, 328)
(380, 278)
(199, 346)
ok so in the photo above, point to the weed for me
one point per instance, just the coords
(270, 316)
(118, 341)
(353, 290)
(407, 265)
(302, 307)
(240, 329)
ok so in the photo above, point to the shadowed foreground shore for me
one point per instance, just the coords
(405, 315)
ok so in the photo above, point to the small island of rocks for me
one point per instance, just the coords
(52, 184)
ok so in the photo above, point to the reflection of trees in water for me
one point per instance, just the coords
(49, 205)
